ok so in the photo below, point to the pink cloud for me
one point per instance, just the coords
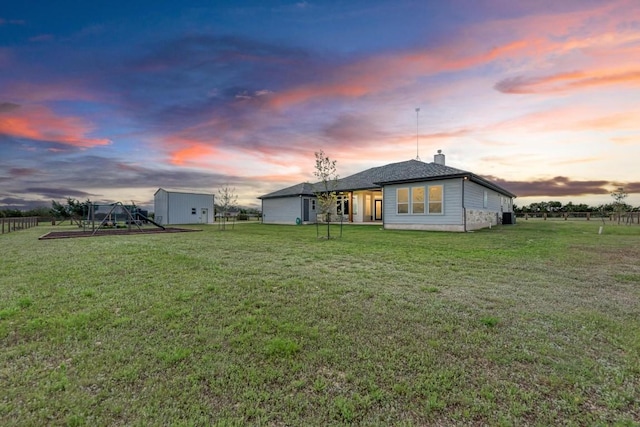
(534, 39)
(568, 81)
(624, 140)
(193, 154)
(41, 124)
(391, 71)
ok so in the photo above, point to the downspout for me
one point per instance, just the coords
(261, 211)
(383, 210)
(464, 209)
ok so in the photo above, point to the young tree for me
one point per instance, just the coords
(227, 200)
(327, 174)
(619, 206)
(74, 210)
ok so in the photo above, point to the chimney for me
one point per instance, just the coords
(439, 158)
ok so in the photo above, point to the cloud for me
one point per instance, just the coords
(350, 130)
(259, 87)
(558, 186)
(191, 154)
(56, 193)
(22, 172)
(7, 107)
(627, 139)
(41, 124)
(567, 81)
(35, 92)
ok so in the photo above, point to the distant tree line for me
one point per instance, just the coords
(555, 206)
(17, 213)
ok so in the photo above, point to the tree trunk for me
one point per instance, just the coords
(328, 225)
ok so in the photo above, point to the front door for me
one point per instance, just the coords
(204, 218)
(378, 210)
(305, 210)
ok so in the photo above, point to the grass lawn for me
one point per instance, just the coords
(532, 324)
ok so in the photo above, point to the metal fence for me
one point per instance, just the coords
(7, 225)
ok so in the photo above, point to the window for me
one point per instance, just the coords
(415, 205)
(402, 195)
(193, 211)
(342, 205)
(436, 199)
(417, 200)
(367, 206)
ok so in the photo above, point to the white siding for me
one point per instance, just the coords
(283, 210)
(177, 208)
(451, 219)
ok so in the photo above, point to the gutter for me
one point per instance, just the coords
(464, 208)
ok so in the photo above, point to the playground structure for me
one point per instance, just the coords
(116, 216)
(113, 219)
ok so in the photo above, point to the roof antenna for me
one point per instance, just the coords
(417, 146)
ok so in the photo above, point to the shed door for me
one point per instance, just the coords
(204, 219)
(305, 210)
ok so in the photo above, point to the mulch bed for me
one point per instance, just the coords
(111, 232)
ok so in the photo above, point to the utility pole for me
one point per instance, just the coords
(417, 133)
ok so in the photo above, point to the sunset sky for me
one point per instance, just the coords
(109, 101)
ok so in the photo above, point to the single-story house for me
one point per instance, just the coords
(410, 195)
(174, 207)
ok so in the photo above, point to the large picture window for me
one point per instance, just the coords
(420, 200)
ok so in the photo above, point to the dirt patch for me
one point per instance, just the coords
(111, 232)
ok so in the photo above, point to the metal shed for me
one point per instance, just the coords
(175, 207)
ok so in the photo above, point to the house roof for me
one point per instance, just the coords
(302, 189)
(394, 173)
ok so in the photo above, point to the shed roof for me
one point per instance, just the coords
(181, 192)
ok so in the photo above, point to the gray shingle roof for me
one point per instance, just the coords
(374, 178)
(302, 189)
(396, 172)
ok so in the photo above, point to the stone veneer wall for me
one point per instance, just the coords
(478, 218)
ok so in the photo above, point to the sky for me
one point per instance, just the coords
(109, 101)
